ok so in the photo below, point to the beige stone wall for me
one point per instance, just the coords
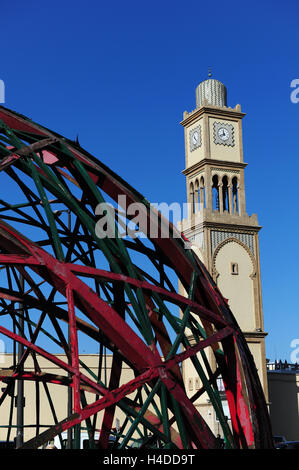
(203, 403)
(198, 153)
(237, 288)
(58, 395)
(224, 152)
(193, 382)
(208, 148)
(258, 356)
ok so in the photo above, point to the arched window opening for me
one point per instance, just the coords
(225, 198)
(202, 194)
(192, 198)
(235, 195)
(215, 193)
(196, 196)
(234, 268)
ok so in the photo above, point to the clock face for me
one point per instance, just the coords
(223, 134)
(195, 137)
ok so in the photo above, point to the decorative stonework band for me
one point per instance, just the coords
(224, 170)
(218, 237)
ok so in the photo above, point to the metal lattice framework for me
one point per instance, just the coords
(57, 277)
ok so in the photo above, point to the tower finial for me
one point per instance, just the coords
(210, 73)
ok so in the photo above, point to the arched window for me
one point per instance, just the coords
(196, 196)
(225, 198)
(202, 193)
(215, 193)
(192, 198)
(235, 194)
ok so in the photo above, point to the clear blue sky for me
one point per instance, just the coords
(120, 74)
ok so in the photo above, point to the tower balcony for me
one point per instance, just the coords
(205, 217)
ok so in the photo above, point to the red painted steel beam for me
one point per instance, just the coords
(7, 374)
(74, 349)
(205, 313)
(18, 260)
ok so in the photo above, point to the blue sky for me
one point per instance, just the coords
(120, 74)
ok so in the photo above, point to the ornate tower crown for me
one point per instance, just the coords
(212, 92)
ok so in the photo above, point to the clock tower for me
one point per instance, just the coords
(220, 231)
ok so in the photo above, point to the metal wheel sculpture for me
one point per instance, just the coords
(58, 277)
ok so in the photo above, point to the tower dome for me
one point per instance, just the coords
(212, 92)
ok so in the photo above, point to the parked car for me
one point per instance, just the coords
(279, 439)
(84, 441)
(7, 445)
(287, 445)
